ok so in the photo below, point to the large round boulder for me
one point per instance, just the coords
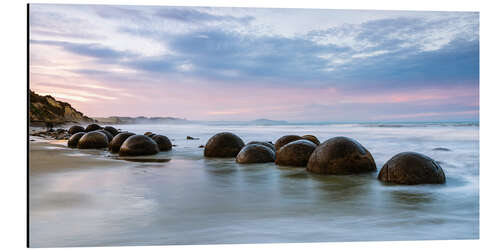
(412, 168)
(92, 127)
(263, 143)
(163, 142)
(341, 155)
(116, 143)
(107, 133)
(149, 134)
(93, 139)
(73, 140)
(138, 145)
(311, 138)
(255, 153)
(75, 129)
(223, 144)
(112, 130)
(282, 141)
(295, 153)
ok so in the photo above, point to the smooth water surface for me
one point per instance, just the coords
(193, 200)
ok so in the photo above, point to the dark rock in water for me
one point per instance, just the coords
(295, 153)
(163, 142)
(311, 138)
(412, 168)
(134, 159)
(223, 145)
(93, 139)
(441, 149)
(285, 140)
(138, 145)
(255, 153)
(112, 130)
(149, 134)
(341, 155)
(75, 129)
(201, 146)
(92, 127)
(73, 140)
(191, 138)
(116, 143)
(60, 130)
(108, 134)
(267, 144)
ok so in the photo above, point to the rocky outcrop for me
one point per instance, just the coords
(46, 109)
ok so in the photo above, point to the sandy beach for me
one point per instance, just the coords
(48, 156)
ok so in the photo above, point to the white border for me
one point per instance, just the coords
(13, 106)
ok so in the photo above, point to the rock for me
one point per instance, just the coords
(412, 168)
(163, 142)
(75, 129)
(341, 155)
(267, 144)
(223, 145)
(93, 139)
(138, 145)
(285, 140)
(116, 143)
(92, 127)
(112, 130)
(441, 149)
(311, 138)
(255, 153)
(295, 153)
(149, 134)
(201, 146)
(73, 140)
(108, 134)
(60, 130)
(191, 138)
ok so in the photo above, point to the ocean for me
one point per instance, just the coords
(194, 200)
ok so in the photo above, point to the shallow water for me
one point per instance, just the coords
(193, 200)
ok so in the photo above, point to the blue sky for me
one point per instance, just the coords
(249, 63)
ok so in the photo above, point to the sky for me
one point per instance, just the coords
(203, 63)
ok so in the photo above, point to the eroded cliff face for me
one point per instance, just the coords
(47, 109)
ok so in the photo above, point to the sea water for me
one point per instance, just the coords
(195, 200)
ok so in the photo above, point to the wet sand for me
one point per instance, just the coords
(48, 156)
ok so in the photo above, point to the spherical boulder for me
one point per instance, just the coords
(92, 127)
(112, 130)
(93, 139)
(149, 134)
(73, 140)
(223, 144)
(108, 134)
(163, 142)
(116, 143)
(255, 153)
(412, 168)
(311, 138)
(295, 153)
(138, 145)
(263, 143)
(282, 141)
(341, 155)
(75, 129)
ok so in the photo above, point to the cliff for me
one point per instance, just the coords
(44, 109)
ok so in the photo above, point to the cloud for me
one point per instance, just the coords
(191, 15)
(94, 50)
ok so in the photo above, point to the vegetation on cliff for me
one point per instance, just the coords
(47, 109)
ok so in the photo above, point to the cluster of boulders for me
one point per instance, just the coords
(58, 134)
(335, 156)
(121, 142)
